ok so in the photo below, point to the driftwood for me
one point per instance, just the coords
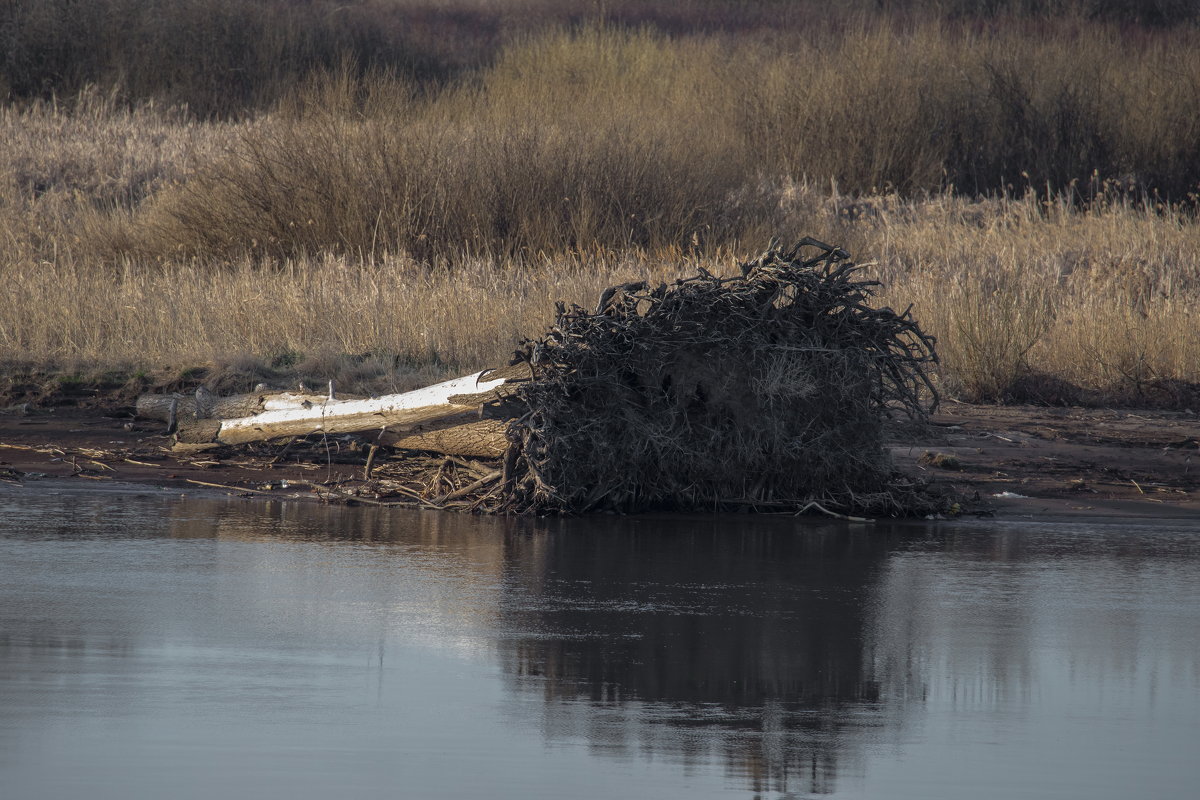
(449, 417)
(765, 389)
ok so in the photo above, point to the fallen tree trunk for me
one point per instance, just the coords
(459, 401)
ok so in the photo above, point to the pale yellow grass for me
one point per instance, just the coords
(318, 311)
(1105, 299)
(65, 169)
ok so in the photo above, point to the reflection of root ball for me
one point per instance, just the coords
(762, 390)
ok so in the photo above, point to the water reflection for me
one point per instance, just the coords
(997, 615)
(736, 639)
(742, 653)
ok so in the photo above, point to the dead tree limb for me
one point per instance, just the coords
(260, 417)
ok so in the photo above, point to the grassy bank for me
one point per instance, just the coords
(1028, 183)
(1105, 301)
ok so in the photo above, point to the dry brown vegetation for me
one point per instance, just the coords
(222, 57)
(1027, 182)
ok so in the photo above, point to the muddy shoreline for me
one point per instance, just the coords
(1014, 461)
(1039, 462)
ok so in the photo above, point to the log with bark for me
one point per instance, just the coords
(166, 407)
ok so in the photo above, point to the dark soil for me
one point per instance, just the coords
(1051, 461)
(1011, 460)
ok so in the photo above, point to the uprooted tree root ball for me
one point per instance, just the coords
(769, 390)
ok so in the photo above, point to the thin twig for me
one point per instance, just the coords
(836, 515)
(227, 486)
(469, 488)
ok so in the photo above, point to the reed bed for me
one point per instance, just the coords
(226, 57)
(1104, 300)
(1029, 185)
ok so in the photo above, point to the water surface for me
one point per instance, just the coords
(155, 646)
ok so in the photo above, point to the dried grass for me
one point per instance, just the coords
(446, 223)
(605, 139)
(224, 57)
(1101, 300)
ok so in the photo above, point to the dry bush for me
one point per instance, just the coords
(572, 144)
(605, 139)
(862, 109)
(988, 110)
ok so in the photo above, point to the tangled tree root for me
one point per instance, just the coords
(767, 390)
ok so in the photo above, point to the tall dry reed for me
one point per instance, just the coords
(373, 217)
(602, 140)
(1104, 300)
(222, 56)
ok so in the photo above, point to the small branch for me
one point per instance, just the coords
(227, 486)
(370, 462)
(836, 515)
(469, 488)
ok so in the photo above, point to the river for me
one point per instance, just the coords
(154, 645)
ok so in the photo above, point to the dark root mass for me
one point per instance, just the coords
(769, 389)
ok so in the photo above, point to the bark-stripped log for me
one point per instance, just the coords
(398, 412)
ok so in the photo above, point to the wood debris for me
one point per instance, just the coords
(766, 390)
